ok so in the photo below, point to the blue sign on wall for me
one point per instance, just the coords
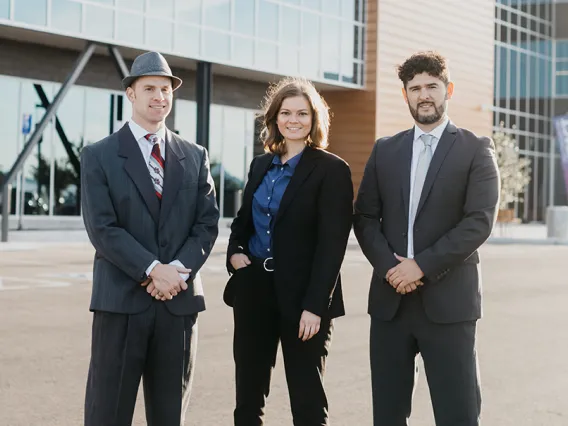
(26, 124)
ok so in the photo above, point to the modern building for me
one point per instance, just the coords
(228, 51)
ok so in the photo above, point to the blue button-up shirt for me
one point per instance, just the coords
(266, 202)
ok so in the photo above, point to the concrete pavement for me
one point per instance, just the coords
(45, 336)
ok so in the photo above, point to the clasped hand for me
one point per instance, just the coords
(165, 282)
(406, 276)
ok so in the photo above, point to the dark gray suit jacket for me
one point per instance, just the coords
(129, 229)
(456, 214)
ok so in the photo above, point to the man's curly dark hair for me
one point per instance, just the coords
(429, 62)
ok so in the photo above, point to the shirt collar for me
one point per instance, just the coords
(437, 132)
(292, 162)
(139, 132)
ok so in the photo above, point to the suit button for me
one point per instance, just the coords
(163, 243)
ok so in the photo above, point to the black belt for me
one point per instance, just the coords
(267, 264)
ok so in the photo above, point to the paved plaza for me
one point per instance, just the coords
(45, 337)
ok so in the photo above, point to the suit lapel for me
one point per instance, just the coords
(262, 164)
(173, 174)
(136, 168)
(405, 155)
(446, 141)
(303, 170)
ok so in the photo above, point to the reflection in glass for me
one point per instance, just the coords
(31, 11)
(290, 31)
(348, 9)
(243, 51)
(4, 9)
(130, 27)
(99, 22)
(268, 21)
(188, 11)
(137, 5)
(187, 40)
(159, 34)
(218, 14)
(216, 45)
(67, 144)
(97, 114)
(66, 15)
(244, 17)
(266, 55)
(161, 8)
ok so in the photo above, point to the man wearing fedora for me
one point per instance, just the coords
(148, 203)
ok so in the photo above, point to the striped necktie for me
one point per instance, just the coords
(156, 164)
(424, 159)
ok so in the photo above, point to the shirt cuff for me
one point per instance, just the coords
(152, 266)
(176, 262)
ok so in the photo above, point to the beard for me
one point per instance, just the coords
(439, 111)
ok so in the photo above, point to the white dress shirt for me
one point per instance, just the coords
(417, 146)
(146, 148)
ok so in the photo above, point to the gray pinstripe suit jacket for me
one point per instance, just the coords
(129, 229)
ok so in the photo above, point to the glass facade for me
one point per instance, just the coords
(524, 93)
(319, 39)
(49, 183)
(561, 68)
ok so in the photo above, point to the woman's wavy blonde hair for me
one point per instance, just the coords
(290, 87)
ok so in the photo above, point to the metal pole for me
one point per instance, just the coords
(34, 139)
(118, 61)
(203, 94)
(6, 195)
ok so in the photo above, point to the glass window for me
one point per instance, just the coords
(332, 36)
(110, 2)
(243, 51)
(99, 22)
(31, 11)
(312, 4)
(187, 40)
(188, 11)
(66, 15)
(287, 60)
(268, 21)
(332, 7)
(290, 29)
(266, 55)
(218, 14)
(130, 27)
(137, 5)
(97, 114)
(297, 2)
(216, 45)
(161, 8)
(67, 174)
(347, 51)
(11, 124)
(348, 10)
(4, 9)
(244, 17)
(234, 156)
(310, 53)
(159, 34)
(185, 117)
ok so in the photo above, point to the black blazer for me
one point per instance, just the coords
(455, 216)
(310, 234)
(129, 229)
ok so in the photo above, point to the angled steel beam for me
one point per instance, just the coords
(35, 137)
(118, 61)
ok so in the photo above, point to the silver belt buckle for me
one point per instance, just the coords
(266, 267)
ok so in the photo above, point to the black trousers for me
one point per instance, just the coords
(155, 345)
(258, 329)
(450, 361)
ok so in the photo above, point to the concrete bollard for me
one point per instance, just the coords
(557, 222)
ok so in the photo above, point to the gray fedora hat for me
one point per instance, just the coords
(150, 64)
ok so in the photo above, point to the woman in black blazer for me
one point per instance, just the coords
(285, 251)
